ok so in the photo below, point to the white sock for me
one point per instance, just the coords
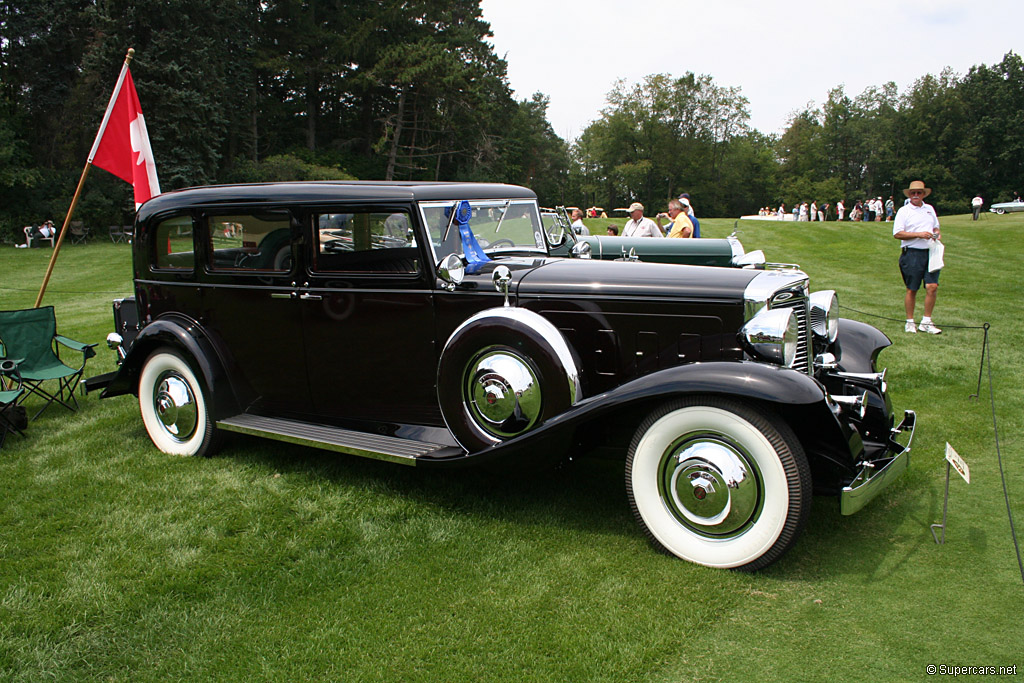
(925, 319)
(910, 320)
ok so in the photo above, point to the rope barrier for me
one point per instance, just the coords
(986, 364)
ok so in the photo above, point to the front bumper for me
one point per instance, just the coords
(877, 474)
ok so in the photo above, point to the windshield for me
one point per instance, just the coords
(498, 224)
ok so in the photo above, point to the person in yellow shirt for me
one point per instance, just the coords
(681, 225)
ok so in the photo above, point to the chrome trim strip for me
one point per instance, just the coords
(871, 479)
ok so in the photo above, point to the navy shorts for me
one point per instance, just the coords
(914, 268)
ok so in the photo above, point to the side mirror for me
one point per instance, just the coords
(451, 270)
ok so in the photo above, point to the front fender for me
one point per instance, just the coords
(189, 338)
(859, 345)
(788, 390)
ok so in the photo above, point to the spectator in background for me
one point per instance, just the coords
(638, 225)
(916, 226)
(825, 212)
(976, 205)
(781, 213)
(685, 199)
(680, 225)
(613, 230)
(803, 212)
(46, 230)
(840, 209)
(814, 210)
(890, 209)
(858, 211)
(577, 223)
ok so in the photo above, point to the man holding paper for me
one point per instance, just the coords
(917, 227)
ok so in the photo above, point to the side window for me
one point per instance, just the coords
(172, 243)
(260, 240)
(366, 242)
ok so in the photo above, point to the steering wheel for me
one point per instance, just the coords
(504, 241)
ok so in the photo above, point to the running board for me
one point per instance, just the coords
(390, 448)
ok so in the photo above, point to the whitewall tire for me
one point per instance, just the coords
(716, 482)
(174, 406)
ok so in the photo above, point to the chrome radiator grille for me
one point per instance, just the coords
(801, 309)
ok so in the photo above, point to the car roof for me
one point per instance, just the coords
(327, 191)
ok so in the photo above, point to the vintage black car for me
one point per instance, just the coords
(429, 324)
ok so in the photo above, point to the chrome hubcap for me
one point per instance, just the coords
(175, 406)
(502, 393)
(711, 485)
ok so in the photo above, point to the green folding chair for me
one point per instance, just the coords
(12, 417)
(31, 335)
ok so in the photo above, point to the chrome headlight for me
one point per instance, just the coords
(772, 335)
(825, 315)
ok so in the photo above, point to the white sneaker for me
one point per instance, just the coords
(930, 328)
(911, 327)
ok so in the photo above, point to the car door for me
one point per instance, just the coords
(367, 311)
(250, 302)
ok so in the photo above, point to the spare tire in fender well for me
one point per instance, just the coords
(503, 372)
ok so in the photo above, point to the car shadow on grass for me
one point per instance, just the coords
(587, 494)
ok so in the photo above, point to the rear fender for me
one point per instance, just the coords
(191, 340)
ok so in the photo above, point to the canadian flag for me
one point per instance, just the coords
(122, 143)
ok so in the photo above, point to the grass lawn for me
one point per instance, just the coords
(275, 562)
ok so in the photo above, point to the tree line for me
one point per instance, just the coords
(240, 91)
(666, 135)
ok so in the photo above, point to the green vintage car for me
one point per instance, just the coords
(726, 252)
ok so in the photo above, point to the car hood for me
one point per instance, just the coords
(571, 277)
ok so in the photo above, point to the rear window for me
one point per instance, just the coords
(244, 242)
(173, 244)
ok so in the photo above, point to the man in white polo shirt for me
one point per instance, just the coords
(638, 225)
(916, 226)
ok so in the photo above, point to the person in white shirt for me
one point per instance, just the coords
(916, 226)
(577, 223)
(840, 209)
(976, 205)
(638, 226)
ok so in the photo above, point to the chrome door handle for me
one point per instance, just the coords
(282, 295)
(306, 296)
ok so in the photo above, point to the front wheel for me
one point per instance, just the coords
(174, 406)
(716, 482)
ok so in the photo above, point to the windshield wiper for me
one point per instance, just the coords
(451, 219)
(504, 210)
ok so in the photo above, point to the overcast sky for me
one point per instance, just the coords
(781, 55)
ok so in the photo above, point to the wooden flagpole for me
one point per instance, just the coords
(71, 210)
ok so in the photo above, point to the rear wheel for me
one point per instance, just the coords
(716, 482)
(174, 406)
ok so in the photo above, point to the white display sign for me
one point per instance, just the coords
(958, 463)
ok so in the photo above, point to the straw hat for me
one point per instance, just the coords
(918, 185)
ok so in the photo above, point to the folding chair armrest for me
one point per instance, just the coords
(86, 349)
(9, 368)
